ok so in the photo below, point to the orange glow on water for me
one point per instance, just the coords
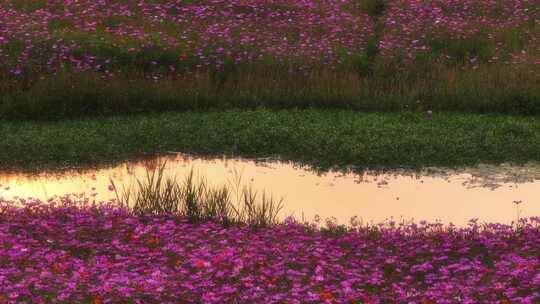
(373, 198)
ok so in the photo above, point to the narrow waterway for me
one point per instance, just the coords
(487, 193)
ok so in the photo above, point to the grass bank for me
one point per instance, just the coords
(322, 138)
(488, 89)
(61, 60)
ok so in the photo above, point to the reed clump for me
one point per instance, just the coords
(196, 199)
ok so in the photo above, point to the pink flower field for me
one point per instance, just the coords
(172, 36)
(61, 253)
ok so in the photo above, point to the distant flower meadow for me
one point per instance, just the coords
(94, 35)
(476, 31)
(57, 252)
(170, 37)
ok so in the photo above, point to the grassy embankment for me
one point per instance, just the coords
(87, 60)
(489, 89)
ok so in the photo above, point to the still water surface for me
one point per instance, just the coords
(487, 193)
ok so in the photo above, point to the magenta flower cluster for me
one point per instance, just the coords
(61, 253)
(45, 35)
(498, 30)
(205, 33)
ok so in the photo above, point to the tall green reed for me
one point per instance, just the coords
(197, 200)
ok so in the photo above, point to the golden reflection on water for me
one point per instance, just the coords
(373, 198)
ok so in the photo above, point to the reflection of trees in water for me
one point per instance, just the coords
(488, 176)
(129, 168)
(152, 164)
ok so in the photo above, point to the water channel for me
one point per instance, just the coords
(494, 194)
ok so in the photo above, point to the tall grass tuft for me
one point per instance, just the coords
(258, 212)
(195, 199)
(366, 83)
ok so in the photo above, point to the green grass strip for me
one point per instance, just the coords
(322, 138)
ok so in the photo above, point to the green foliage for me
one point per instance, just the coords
(113, 21)
(146, 56)
(128, 55)
(60, 24)
(461, 50)
(322, 138)
(521, 102)
(362, 63)
(29, 6)
(13, 46)
(374, 8)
